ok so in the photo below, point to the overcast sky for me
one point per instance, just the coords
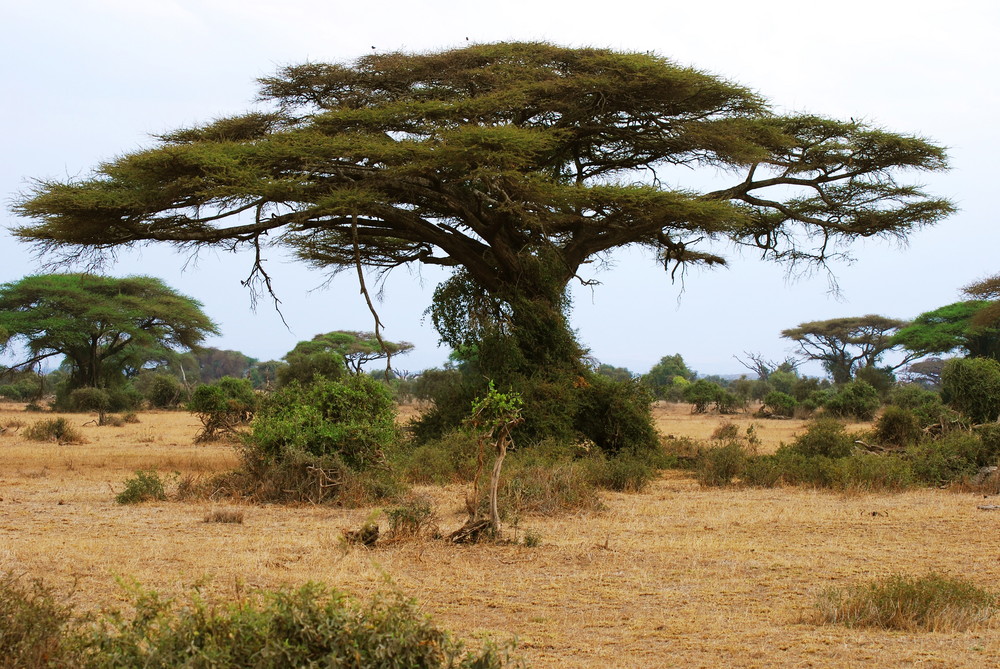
(87, 80)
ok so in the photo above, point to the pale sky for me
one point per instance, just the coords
(87, 80)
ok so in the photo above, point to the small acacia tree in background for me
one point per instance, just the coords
(223, 407)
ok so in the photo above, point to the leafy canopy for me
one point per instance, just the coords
(952, 327)
(100, 324)
(517, 162)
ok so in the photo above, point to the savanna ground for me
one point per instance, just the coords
(678, 576)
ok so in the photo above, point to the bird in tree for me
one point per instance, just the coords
(513, 164)
(846, 345)
(98, 323)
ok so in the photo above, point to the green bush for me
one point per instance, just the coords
(450, 459)
(353, 419)
(307, 627)
(54, 429)
(223, 407)
(720, 466)
(145, 486)
(925, 405)
(162, 391)
(933, 603)
(971, 386)
(857, 399)
(951, 457)
(546, 489)
(90, 399)
(616, 415)
(702, 393)
(779, 403)
(825, 437)
(625, 472)
(898, 427)
(36, 629)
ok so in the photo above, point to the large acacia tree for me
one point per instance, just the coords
(101, 325)
(514, 164)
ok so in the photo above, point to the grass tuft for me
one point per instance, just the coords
(933, 603)
(225, 516)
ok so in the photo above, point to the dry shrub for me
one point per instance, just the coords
(933, 603)
(33, 626)
(412, 519)
(54, 429)
(225, 516)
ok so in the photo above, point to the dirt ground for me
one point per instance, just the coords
(678, 576)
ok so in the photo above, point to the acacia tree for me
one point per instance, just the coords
(513, 164)
(961, 326)
(98, 323)
(846, 345)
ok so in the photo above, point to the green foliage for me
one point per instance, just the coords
(702, 394)
(90, 399)
(305, 627)
(950, 458)
(857, 399)
(353, 419)
(720, 466)
(660, 378)
(616, 416)
(36, 628)
(223, 407)
(102, 325)
(450, 459)
(931, 603)
(898, 427)
(824, 437)
(925, 405)
(161, 390)
(624, 472)
(949, 328)
(779, 403)
(145, 486)
(54, 429)
(971, 386)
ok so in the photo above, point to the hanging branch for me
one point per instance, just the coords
(368, 299)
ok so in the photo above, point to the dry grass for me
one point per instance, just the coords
(676, 576)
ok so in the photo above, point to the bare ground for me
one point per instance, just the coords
(677, 576)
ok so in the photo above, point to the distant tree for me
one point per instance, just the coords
(926, 373)
(265, 374)
(99, 323)
(661, 376)
(844, 345)
(214, 363)
(763, 368)
(954, 327)
(615, 373)
(360, 348)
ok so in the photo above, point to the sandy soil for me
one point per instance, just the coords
(677, 576)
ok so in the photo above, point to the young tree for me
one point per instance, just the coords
(513, 164)
(845, 345)
(98, 322)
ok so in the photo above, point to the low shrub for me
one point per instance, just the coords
(309, 626)
(415, 517)
(951, 457)
(898, 427)
(971, 386)
(223, 407)
(780, 404)
(145, 486)
(720, 466)
(932, 603)
(857, 399)
(55, 429)
(36, 628)
(625, 472)
(546, 489)
(450, 459)
(234, 516)
(824, 437)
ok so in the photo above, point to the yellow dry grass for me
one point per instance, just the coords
(679, 576)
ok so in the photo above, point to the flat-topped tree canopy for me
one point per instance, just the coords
(514, 162)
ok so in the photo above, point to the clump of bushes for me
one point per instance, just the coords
(145, 486)
(932, 603)
(223, 407)
(310, 626)
(54, 429)
(858, 400)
